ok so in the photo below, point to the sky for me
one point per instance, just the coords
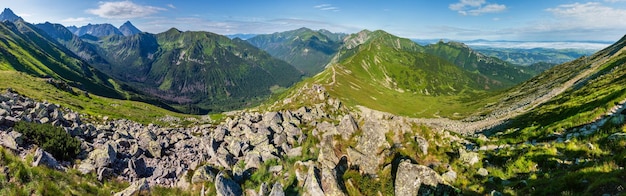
(519, 20)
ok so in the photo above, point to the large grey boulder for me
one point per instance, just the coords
(370, 144)
(277, 190)
(412, 179)
(100, 157)
(225, 186)
(312, 184)
(273, 118)
(11, 140)
(42, 157)
(347, 126)
(330, 182)
(138, 168)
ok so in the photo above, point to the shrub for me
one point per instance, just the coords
(53, 140)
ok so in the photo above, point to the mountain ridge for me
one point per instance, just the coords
(309, 51)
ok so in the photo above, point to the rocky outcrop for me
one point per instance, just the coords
(412, 179)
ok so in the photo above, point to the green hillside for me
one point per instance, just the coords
(468, 59)
(309, 51)
(391, 74)
(599, 90)
(195, 72)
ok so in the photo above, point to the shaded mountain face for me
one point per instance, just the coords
(197, 71)
(73, 42)
(25, 48)
(129, 29)
(495, 69)
(98, 30)
(307, 50)
(8, 15)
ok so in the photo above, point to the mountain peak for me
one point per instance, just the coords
(8, 14)
(129, 29)
(98, 30)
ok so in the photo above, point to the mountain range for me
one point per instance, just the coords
(102, 30)
(307, 50)
(309, 111)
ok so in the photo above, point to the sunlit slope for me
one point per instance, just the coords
(593, 98)
(392, 74)
(25, 48)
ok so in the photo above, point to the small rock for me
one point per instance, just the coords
(276, 168)
(470, 158)
(8, 141)
(277, 190)
(294, 152)
(3, 112)
(203, 174)
(449, 176)
(155, 149)
(134, 188)
(10, 121)
(483, 172)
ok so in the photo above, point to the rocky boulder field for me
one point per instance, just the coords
(308, 150)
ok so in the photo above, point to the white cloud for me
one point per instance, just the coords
(123, 10)
(326, 7)
(476, 7)
(592, 15)
(171, 6)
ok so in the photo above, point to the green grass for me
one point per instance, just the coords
(93, 105)
(23, 179)
(576, 106)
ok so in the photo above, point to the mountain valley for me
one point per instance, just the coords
(97, 109)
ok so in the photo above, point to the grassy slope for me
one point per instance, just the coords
(581, 165)
(94, 105)
(25, 48)
(590, 98)
(390, 74)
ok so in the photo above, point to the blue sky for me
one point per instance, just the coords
(527, 20)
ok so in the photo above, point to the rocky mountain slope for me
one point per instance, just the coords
(8, 15)
(129, 29)
(307, 50)
(98, 30)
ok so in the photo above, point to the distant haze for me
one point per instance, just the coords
(530, 45)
